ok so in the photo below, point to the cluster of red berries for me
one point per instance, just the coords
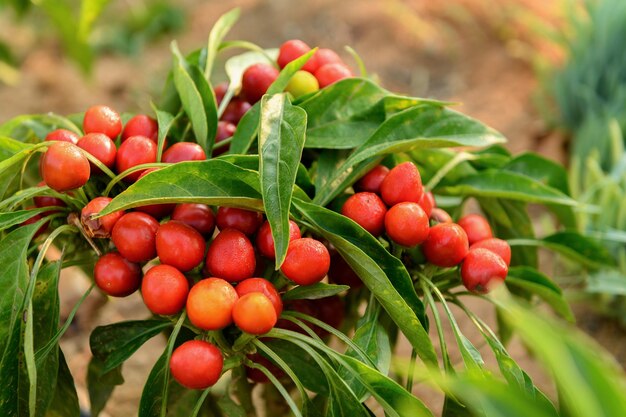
(394, 202)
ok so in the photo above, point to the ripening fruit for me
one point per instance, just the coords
(254, 313)
(402, 183)
(102, 226)
(158, 211)
(134, 236)
(183, 151)
(101, 147)
(196, 364)
(407, 224)
(438, 215)
(134, 151)
(368, 210)
(164, 290)
(141, 125)
(117, 276)
(64, 167)
(331, 73)
(198, 216)
(325, 56)
(302, 83)
(231, 256)
(256, 80)
(179, 245)
(498, 246)
(427, 203)
(210, 304)
(47, 201)
(265, 241)
(307, 261)
(246, 221)
(235, 110)
(63, 135)
(482, 269)
(476, 227)
(264, 287)
(225, 130)
(446, 245)
(293, 49)
(371, 181)
(102, 119)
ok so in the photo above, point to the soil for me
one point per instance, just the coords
(479, 53)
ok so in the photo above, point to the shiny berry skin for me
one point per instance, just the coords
(440, 216)
(198, 216)
(231, 256)
(341, 273)
(47, 201)
(265, 241)
(482, 269)
(64, 167)
(331, 73)
(254, 313)
(427, 203)
(135, 150)
(292, 50)
(407, 224)
(256, 80)
(403, 183)
(302, 83)
(117, 276)
(446, 245)
(246, 221)
(63, 135)
(141, 125)
(220, 91)
(102, 226)
(498, 246)
(325, 56)
(102, 119)
(196, 364)
(307, 261)
(183, 151)
(210, 304)
(368, 210)
(100, 146)
(179, 245)
(164, 290)
(134, 236)
(235, 110)
(264, 287)
(158, 211)
(476, 227)
(371, 181)
(225, 130)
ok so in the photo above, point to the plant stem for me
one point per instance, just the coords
(409, 380)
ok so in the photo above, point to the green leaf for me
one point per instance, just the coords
(533, 281)
(165, 121)
(541, 169)
(65, 400)
(100, 385)
(305, 368)
(16, 217)
(218, 32)
(281, 139)
(230, 408)
(607, 281)
(314, 292)
(89, 12)
(382, 273)
(25, 127)
(213, 182)
(236, 65)
(246, 130)
(115, 343)
(281, 82)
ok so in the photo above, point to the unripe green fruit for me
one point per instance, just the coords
(301, 83)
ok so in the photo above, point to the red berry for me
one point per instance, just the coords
(134, 236)
(63, 135)
(246, 221)
(196, 364)
(407, 224)
(256, 80)
(341, 273)
(264, 287)
(371, 181)
(293, 49)
(164, 290)
(179, 245)
(446, 245)
(331, 73)
(64, 167)
(476, 227)
(265, 241)
(117, 276)
(100, 146)
(210, 304)
(225, 130)
(427, 203)
(102, 119)
(307, 261)
(498, 246)
(135, 150)
(183, 151)
(231, 256)
(368, 210)
(440, 216)
(325, 56)
(220, 91)
(102, 226)
(235, 110)
(254, 313)
(141, 125)
(403, 183)
(47, 201)
(198, 216)
(482, 269)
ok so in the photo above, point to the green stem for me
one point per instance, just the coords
(170, 348)
(458, 158)
(409, 380)
(292, 405)
(121, 176)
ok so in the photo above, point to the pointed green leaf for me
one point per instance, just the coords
(314, 292)
(218, 32)
(65, 400)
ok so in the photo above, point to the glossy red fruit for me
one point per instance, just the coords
(446, 245)
(264, 287)
(427, 203)
(476, 227)
(231, 256)
(225, 130)
(235, 110)
(198, 216)
(498, 246)
(220, 92)
(102, 119)
(291, 50)
(63, 135)
(246, 221)
(158, 211)
(438, 215)
(265, 241)
(341, 273)
(183, 151)
(117, 276)
(135, 150)
(407, 224)
(100, 146)
(47, 201)
(331, 73)
(196, 364)
(102, 226)
(403, 183)
(141, 125)
(134, 236)
(307, 261)
(179, 245)
(325, 56)
(368, 210)
(164, 290)
(482, 270)
(254, 313)
(64, 167)
(371, 181)
(210, 304)
(256, 80)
